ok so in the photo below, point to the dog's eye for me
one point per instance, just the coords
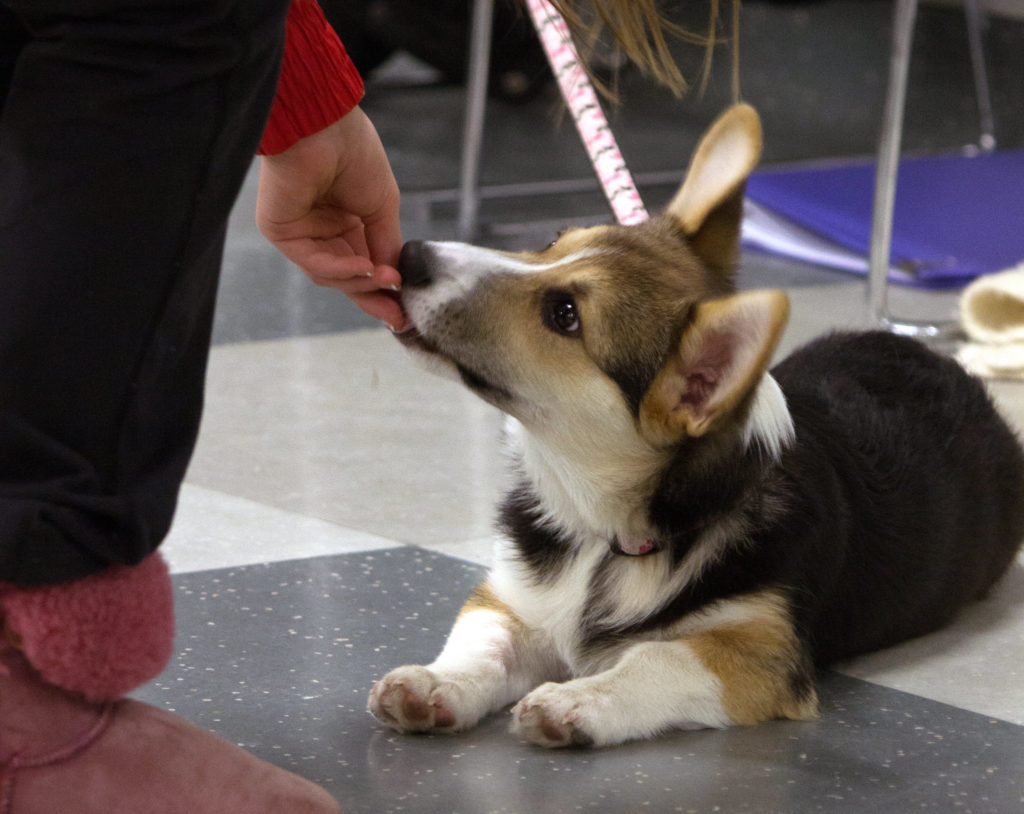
(561, 315)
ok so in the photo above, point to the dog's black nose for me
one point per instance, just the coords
(415, 264)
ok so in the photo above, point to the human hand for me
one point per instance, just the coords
(329, 203)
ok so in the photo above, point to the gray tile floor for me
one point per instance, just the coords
(338, 508)
(279, 659)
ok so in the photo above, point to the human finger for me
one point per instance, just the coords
(385, 306)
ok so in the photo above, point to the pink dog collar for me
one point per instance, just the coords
(635, 546)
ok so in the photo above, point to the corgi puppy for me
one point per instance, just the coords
(689, 535)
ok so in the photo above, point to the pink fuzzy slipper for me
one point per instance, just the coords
(101, 636)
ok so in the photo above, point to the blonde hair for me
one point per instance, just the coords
(643, 34)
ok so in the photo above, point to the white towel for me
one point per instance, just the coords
(992, 315)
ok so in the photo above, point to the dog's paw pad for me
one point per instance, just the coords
(415, 710)
(406, 700)
(412, 699)
(549, 722)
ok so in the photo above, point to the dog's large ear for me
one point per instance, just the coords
(721, 356)
(709, 204)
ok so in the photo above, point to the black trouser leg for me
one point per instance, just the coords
(124, 138)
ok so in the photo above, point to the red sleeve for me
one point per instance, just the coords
(318, 84)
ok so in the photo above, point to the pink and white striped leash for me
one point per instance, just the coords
(586, 111)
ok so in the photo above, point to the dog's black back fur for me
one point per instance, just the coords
(906, 491)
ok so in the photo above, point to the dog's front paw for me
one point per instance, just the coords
(553, 715)
(413, 699)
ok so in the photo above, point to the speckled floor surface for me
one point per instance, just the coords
(338, 509)
(279, 659)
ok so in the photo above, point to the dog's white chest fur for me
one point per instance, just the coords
(588, 511)
(571, 602)
(556, 606)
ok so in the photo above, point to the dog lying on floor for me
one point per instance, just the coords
(690, 535)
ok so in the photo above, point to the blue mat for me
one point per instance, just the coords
(956, 217)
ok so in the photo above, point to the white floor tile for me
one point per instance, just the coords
(348, 429)
(480, 551)
(215, 530)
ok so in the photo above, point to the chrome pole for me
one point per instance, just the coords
(476, 106)
(888, 161)
(987, 137)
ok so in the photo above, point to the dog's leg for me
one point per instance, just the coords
(490, 660)
(735, 674)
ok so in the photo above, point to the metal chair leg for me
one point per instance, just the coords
(476, 106)
(885, 184)
(987, 137)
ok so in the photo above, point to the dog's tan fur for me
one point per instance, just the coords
(754, 659)
(483, 598)
(668, 412)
